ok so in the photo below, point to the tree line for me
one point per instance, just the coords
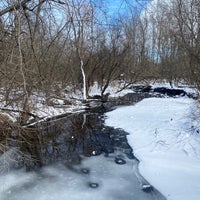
(47, 45)
(174, 32)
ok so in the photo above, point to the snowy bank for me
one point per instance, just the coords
(68, 100)
(56, 103)
(163, 139)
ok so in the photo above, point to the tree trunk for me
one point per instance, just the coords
(84, 82)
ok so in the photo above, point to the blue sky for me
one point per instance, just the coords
(121, 5)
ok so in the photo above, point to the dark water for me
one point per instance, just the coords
(79, 144)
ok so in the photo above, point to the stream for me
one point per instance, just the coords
(75, 157)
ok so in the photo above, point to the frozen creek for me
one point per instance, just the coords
(75, 157)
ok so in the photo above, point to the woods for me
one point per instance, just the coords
(174, 33)
(47, 45)
(99, 99)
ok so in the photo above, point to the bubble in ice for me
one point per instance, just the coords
(147, 188)
(94, 185)
(120, 161)
(85, 171)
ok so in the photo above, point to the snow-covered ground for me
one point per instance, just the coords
(178, 85)
(67, 101)
(70, 101)
(165, 138)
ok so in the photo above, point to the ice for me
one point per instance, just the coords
(96, 178)
(163, 140)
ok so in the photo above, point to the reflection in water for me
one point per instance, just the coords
(65, 140)
(73, 136)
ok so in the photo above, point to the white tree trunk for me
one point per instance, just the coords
(84, 82)
(84, 120)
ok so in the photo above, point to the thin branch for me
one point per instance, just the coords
(13, 7)
(21, 112)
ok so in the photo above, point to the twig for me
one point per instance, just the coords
(20, 111)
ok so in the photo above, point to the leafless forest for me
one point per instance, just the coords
(46, 45)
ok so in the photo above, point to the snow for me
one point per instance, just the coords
(56, 105)
(40, 106)
(113, 89)
(45, 111)
(175, 85)
(163, 138)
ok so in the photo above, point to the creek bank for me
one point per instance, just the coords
(58, 106)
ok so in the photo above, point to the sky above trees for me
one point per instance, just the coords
(121, 6)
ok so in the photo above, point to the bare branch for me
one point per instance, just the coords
(16, 6)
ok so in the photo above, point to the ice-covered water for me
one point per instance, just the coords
(96, 178)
